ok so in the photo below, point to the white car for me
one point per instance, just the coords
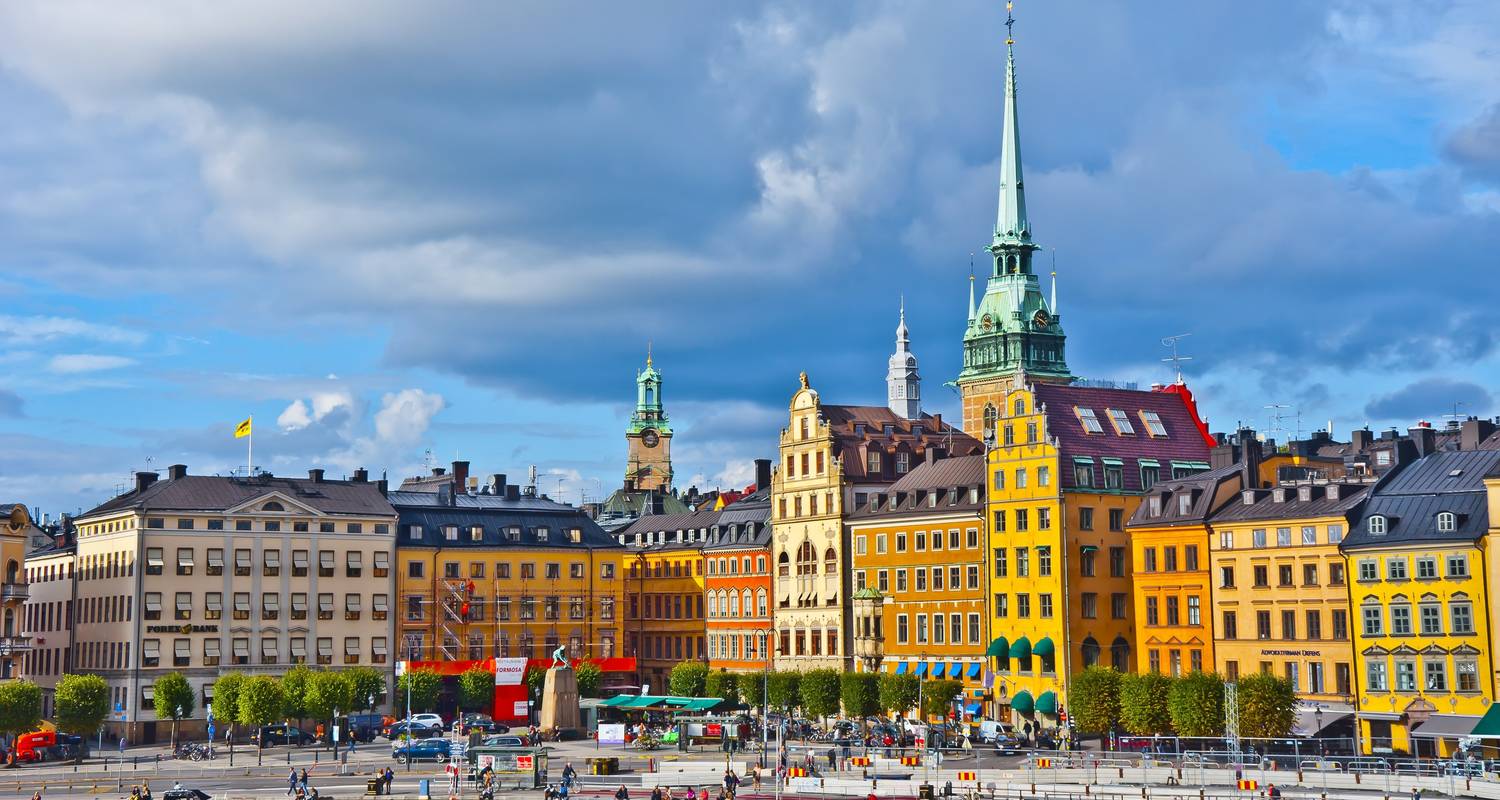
(426, 720)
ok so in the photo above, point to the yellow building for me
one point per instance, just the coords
(664, 605)
(918, 576)
(1417, 559)
(16, 641)
(1068, 468)
(833, 457)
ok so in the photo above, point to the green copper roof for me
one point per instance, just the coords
(649, 411)
(868, 593)
(1011, 225)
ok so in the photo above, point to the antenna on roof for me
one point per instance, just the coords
(1176, 358)
(427, 460)
(1277, 418)
(1455, 416)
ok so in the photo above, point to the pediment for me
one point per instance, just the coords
(290, 506)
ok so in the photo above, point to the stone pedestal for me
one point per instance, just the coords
(560, 701)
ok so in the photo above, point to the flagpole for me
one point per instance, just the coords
(250, 455)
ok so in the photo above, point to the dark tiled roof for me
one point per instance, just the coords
(945, 479)
(860, 429)
(215, 493)
(1412, 497)
(1204, 487)
(746, 523)
(1265, 506)
(494, 514)
(1183, 442)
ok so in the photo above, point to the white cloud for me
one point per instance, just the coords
(42, 329)
(295, 417)
(405, 415)
(75, 363)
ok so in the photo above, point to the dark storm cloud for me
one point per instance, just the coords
(1476, 146)
(1430, 399)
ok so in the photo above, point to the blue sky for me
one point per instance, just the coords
(386, 229)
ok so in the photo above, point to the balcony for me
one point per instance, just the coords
(14, 645)
(14, 591)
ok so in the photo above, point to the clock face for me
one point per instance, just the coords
(1041, 319)
(649, 437)
(985, 322)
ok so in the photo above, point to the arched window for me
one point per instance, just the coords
(1119, 654)
(760, 602)
(990, 417)
(1447, 522)
(1090, 651)
(783, 565)
(713, 604)
(747, 600)
(830, 562)
(807, 559)
(273, 506)
(12, 569)
(1376, 525)
(806, 427)
(650, 396)
(734, 604)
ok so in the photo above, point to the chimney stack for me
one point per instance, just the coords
(1250, 457)
(1424, 437)
(361, 475)
(460, 476)
(1361, 439)
(497, 485)
(177, 471)
(762, 473)
(143, 480)
(315, 475)
(1473, 432)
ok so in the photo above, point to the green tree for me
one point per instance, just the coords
(1143, 703)
(293, 692)
(898, 693)
(1267, 705)
(724, 685)
(476, 689)
(688, 679)
(860, 694)
(227, 698)
(82, 703)
(752, 686)
(174, 700)
(938, 697)
(536, 680)
(1196, 705)
(785, 690)
(425, 685)
(327, 693)
(589, 677)
(1094, 699)
(259, 703)
(820, 692)
(20, 707)
(369, 685)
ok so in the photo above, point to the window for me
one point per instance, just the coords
(1461, 617)
(1083, 474)
(380, 607)
(1406, 675)
(1150, 474)
(1447, 522)
(1373, 620)
(1195, 610)
(1085, 519)
(1023, 605)
(1190, 557)
(1259, 571)
(1001, 564)
(1400, 619)
(1309, 574)
(1458, 566)
(1375, 675)
(1023, 562)
(1309, 534)
(1121, 422)
(1172, 609)
(325, 650)
(1117, 562)
(1430, 619)
(1395, 569)
(1283, 537)
(1148, 560)
(1335, 534)
(1153, 611)
(1435, 673)
(1376, 525)
(153, 605)
(1044, 601)
(1426, 568)
(151, 653)
(1368, 570)
(184, 606)
(1089, 420)
(153, 561)
(1086, 561)
(1043, 476)
(325, 563)
(1336, 573)
(242, 605)
(1090, 605)
(1231, 625)
(1340, 624)
(1258, 537)
(1117, 519)
(1314, 625)
(299, 606)
(1023, 520)
(215, 559)
(1153, 424)
(1226, 577)
(1114, 476)
(1467, 671)
(325, 605)
(1263, 625)
(872, 462)
(185, 560)
(1021, 478)
(213, 606)
(1169, 558)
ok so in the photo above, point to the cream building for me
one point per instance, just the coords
(206, 574)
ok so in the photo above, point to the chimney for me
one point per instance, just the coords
(176, 472)
(1473, 432)
(460, 476)
(1250, 454)
(1424, 437)
(445, 494)
(497, 485)
(1361, 439)
(361, 475)
(438, 472)
(630, 484)
(931, 455)
(143, 480)
(512, 492)
(315, 475)
(1406, 452)
(384, 487)
(762, 473)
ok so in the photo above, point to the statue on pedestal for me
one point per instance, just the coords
(558, 660)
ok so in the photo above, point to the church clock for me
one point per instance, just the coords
(650, 438)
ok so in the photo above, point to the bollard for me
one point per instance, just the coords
(1122, 773)
(1299, 774)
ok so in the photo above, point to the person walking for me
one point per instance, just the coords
(622, 793)
(291, 782)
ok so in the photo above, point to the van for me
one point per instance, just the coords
(990, 730)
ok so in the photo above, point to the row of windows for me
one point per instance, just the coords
(801, 642)
(416, 648)
(1435, 674)
(811, 506)
(727, 604)
(270, 606)
(453, 570)
(510, 533)
(1338, 619)
(660, 569)
(1173, 606)
(736, 646)
(1285, 575)
(1445, 522)
(736, 565)
(1397, 568)
(927, 579)
(1174, 661)
(1374, 618)
(49, 572)
(1168, 562)
(668, 606)
(1293, 672)
(918, 541)
(812, 464)
(473, 608)
(1333, 534)
(271, 564)
(270, 651)
(945, 629)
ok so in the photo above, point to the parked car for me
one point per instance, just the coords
(430, 720)
(365, 727)
(478, 722)
(417, 730)
(423, 750)
(504, 741)
(281, 733)
(1007, 744)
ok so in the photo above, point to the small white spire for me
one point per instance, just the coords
(972, 309)
(1053, 305)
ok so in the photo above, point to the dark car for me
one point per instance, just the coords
(281, 733)
(478, 722)
(364, 727)
(186, 794)
(424, 750)
(418, 731)
(504, 741)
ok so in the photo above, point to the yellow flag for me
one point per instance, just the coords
(243, 429)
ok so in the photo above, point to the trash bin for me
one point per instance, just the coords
(372, 787)
(924, 792)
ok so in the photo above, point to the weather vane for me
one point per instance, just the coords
(1009, 22)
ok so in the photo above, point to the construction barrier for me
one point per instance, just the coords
(859, 761)
(1248, 785)
(1044, 762)
(911, 761)
(968, 776)
(796, 772)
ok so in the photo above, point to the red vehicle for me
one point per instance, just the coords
(35, 746)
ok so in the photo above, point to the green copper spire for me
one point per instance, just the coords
(1011, 225)
(649, 411)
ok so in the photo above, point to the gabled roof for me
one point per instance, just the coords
(960, 477)
(1411, 498)
(214, 493)
(858, 430)
(433, 512)
(1264, 504)
(1184, 440)
(1162, 506)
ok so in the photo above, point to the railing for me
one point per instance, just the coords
(10, 645)
(14, 591)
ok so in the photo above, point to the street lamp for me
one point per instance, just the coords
(175, 717)
(765, 695)
(334, 732)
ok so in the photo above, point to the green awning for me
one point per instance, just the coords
(1021, 701)
(701, 703)
(618, 700)
(1021, 648)
(1083, 459)
(1046, 702)
(1488, 726)
(1043, 647)
(645, 701)
(1000, 648)
(1113, 462)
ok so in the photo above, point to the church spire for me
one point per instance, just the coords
(903, 384)
(1011, 226)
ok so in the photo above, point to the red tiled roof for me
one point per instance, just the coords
(1184, 440)
(912, 436)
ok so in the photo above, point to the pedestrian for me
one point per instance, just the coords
(291, 782)
(304, 779)
(833, 759)
(656, 793)
(703, 793)
(622, 793)
(755, 776)
(1416, 793)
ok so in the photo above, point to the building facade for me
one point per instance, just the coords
(664, 593)
(200, 574)
(48, 614)
(15, 539)
(737, 583)
(918, 575)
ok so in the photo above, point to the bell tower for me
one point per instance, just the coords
(648, 437)
(1014, 334)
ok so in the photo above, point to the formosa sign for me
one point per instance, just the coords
(509, 671)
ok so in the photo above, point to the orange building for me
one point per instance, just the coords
(737, 585)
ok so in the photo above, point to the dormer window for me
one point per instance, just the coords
(872, 462)
(1447, 522)
(932, 498)
(1248, 496)
(1154, 425)
(1376, 525)
(903, 463)
(1155, 505)
(1184, 504)
(1089, 419)
(1331, 491)
(1304, 494)
(1121, 422)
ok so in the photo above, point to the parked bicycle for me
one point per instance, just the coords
(194, 751)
